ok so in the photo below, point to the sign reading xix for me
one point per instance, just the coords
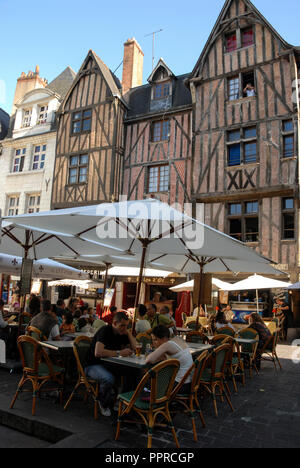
(241, 179)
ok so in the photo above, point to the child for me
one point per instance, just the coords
(67, 325)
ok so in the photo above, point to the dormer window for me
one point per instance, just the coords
(161, 90)
(43, 115)
(27, 113)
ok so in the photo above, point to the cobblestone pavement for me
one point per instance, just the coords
(267, 414)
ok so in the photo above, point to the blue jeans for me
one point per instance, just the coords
(106, 380)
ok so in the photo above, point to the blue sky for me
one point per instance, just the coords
(60, 33)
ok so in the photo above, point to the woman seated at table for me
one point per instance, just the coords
(221, 321)
(142, 325)
(174, 348)
(67, 325)
(256, 323)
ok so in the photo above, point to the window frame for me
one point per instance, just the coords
(13, 209)
(160, 189)
(238, 32)
(240, 76)
(81, 120)
(288, 134)
(78, 166)
(164, 85)
(42, 121)
(242, 142)
(287, 212)
(162, 131)
(21, 157)
(35, 207)
(40, 161)
(24, 117)
(243, 217)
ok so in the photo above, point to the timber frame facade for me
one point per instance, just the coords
(225, 135)
(89, 150)
(246, 143)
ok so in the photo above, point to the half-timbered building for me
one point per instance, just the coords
(89, 148)
(244, 90)
(158, 138)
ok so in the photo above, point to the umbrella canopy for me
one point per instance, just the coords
(189, 286)
(294, 286)
(125, 227)
(257, 282)
(148, 272)
(42, 269)
(88, 284)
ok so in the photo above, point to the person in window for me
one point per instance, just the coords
(249, 90)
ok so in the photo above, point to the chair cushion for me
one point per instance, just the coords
(44, 370)
(143, 405)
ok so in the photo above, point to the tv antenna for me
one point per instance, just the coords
(153, 44)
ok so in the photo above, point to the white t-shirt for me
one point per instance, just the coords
(142, 326)
(54, 333)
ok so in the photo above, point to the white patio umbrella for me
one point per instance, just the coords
(42, 269)
(294, 286)
(158, 233)
(189, 286)
(85, 284)
(257, 283)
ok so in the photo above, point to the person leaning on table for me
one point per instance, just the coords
(46, 321)
(175, 348)
(110, 341)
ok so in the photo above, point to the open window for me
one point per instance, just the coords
(241, 86)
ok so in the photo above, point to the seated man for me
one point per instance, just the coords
(155, 318)
(110, 341)
(46, 321)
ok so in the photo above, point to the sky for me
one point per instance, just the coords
(60, 33)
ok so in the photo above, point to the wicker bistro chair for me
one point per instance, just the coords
(191, 401)
(35, 333)
(235, 365)
(213, 375)
(162, 379)
(249, 351)
(226, 331)
(81, 348)
(192, 325)
(269, 353)
(145, 339)
(196, 337)
(36, 372)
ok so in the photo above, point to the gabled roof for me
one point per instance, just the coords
(62, 83)
(112, 81)
(219, 28)
(161, 63)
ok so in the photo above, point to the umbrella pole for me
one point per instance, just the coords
(23, 297)
(257, 303)
(140, 280)
(200, 294)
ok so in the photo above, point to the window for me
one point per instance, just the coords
(288, 219)
(27, 113)
(33, 203)
(288, 139)
(78, 169)
(39, 157)
(19, 160)
(161, 130)
(247, 37)
(158, 179)
(161, 90)
(244, 221)
(239, 39)
(241, 86)
(231, 42)
(43, 115)
(242, 146)
(13, 206)
(81, 122)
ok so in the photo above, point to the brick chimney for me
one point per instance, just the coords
(28, 82)
(132, 65)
